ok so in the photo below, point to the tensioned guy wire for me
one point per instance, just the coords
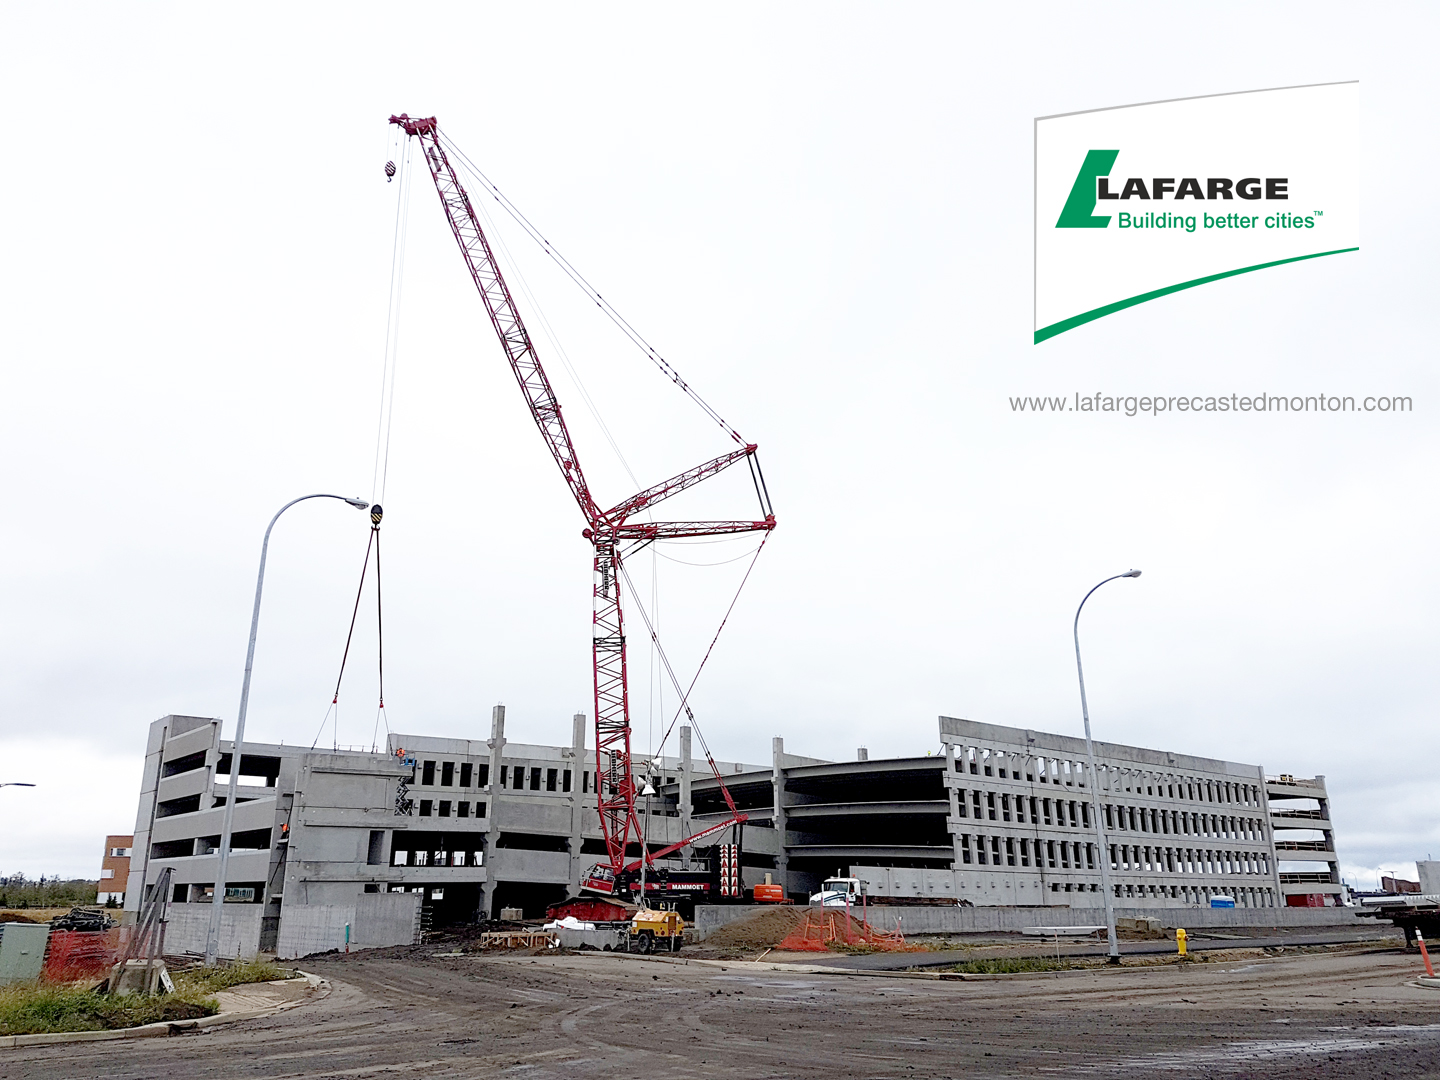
(590, 291)
(553, 339)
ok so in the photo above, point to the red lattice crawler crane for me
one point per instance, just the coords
(607, 530)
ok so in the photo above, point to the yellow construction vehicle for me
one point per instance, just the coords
(651, 930)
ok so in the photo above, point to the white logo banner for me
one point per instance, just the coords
(1137, 202)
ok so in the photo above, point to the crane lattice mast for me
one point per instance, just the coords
(606, 530)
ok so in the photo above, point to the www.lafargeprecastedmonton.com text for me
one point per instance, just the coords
(1100, 404)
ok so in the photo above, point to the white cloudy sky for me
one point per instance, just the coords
(822, 214)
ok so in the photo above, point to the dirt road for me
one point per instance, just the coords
(404, 1013)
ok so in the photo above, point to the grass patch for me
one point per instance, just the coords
(32, 1009)
(1008, 966)
(223, 977)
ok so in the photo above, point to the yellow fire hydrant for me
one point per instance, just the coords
(1180, 941)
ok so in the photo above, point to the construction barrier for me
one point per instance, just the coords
(75, 955)
(822, 930)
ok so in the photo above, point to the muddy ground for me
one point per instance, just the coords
(409, 1013)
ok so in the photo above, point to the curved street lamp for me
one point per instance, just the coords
(16, 783)
(212, 941)
(1114, 957)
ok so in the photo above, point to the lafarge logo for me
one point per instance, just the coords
(1092, 184)
(1203, 189)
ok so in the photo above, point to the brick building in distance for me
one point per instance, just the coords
(115, 870)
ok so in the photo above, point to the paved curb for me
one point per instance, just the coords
(165, 1028)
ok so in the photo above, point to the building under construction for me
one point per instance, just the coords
(337, 846)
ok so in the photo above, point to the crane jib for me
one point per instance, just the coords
(616, 790)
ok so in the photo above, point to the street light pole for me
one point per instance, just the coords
(16, 783)
(1095, 782)
(212, 940)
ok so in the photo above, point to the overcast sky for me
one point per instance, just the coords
(822, 215)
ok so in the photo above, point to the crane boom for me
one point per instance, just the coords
(504, 315)
(606, 530)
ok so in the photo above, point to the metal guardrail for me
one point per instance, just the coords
(1302, 845)
(1306, 815)
(1305, 879)
(1286, 780)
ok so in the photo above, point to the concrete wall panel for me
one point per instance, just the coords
(313, 928)
(180, 744)
(514, 864)
(387, 919)
(187, 926)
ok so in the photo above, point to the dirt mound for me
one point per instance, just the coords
(799, 928)
(761, 929)
(830, 930)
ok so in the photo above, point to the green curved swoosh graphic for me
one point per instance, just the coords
(1120, 305)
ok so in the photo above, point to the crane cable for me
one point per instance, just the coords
(392, 327)
(376, 514)
(381, 471)
(684, 706)
(589, 290)
(554, 340)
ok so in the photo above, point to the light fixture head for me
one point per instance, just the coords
(648, 789)
(358, 503)
(1131, 573)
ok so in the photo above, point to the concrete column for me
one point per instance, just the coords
(777, 783)
(686, 809)
(954, 794)
(494, 789)
(577, 799)
(1328, 834)
(1270, 838)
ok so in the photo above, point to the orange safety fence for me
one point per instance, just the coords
(823, 930)
(72, 955)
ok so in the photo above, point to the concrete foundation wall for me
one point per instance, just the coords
(313, 928)
(188, 925)
(375, 920)
(387, 919)
(981, 920)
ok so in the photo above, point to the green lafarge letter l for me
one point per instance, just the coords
(1079, 212)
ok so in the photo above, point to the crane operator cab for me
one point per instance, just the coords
(599, 879)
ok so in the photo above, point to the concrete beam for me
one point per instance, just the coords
(812, 810)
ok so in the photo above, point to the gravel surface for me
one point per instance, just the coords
(406, 1013)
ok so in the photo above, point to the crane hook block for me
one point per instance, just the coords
(389, 171)
(376, 513)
